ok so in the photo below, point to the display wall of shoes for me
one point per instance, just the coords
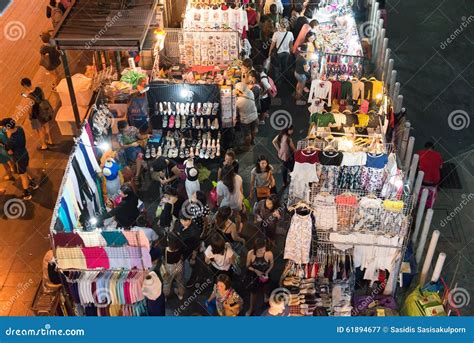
(187, 116)
(175, 145)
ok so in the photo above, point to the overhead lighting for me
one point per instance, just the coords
(105, 146)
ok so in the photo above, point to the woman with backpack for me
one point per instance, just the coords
(41, 113)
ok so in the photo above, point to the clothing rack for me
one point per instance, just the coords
(320, 145)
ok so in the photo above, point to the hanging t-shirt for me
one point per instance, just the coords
(302, 175)
(303, 156)
(354, 159)
(324, 119)
(329, 158)
(376, 161)
(340, 118)
(363, 119)
(351, 119)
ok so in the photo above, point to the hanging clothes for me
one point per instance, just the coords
(368, 215)
(302, 176)
(298, 240)
(325, 212)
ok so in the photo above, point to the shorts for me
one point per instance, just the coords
(301, 78)
(250, 128)
(132, 154)
(265, 104)
(21, 165)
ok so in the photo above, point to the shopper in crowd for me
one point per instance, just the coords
(307, 35)
(262, 182)
(259, 265)
(267, 214)
(220, 256)
(265, 99)
(282, 42)
(126, 212)
(247, 66)
(299, 22)
(5, 158)
(247, 112)
(229, 160)
(253, 20)
(267, 28)
(296, 12)
(40, 116)
(253, 83)
(165, 171)
(172, 269)
(16, 147)
(276, 4)
(189, 236)
(131, 140)
(302, 74)
(230, 193)
(228, 301)
(285, 148)
(274, 15)
(50, 57)
(430, 163)
(169, 209)
(278, 308)
(227, 228)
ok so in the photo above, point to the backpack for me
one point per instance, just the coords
(273, 88)
(45, 110)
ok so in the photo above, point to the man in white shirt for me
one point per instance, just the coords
(282, 43)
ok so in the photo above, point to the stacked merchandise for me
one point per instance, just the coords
(299, 280)
(214, 48)
(102, 271)
(186, 128)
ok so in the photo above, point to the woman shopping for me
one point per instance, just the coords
(219, 256)
(227, 301)
(259, 265)
(173, 268)
(285, 148)
(262, 182)
(267, 213)
(230, 193)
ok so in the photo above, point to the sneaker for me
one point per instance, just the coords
(34, 185)
(26, 195)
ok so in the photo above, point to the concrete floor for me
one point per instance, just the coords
(435, 82)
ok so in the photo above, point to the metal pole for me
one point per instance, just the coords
(107, 59)
(403, 146)
(99, 60)
(382, 55)
(429, 257)
(373, 22)
(118, 63)
(388, 71)
(417, 187)
(409, 153)
(419, 215)
(399, 104)
(394, 87)
(70, 86)
(413, 167)
(438, 267)
(424, 234)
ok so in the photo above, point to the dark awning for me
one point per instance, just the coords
(105, 25)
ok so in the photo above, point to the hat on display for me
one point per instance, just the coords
(152, 286)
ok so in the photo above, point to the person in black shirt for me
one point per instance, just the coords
(16, 147)
(173, 269)
(36, 95)
(170, 208)
(126, 213)
(165, 171)
(229, 160)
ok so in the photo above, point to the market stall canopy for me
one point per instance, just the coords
(105, 25)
